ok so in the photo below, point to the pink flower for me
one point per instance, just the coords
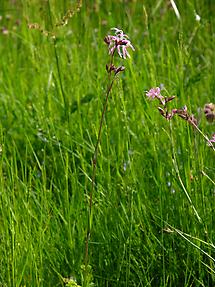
(119, 42)
(154, 93)
(213, 139)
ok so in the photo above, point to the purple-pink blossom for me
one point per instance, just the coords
(119, 42)
(153, 93)
(212, 140)
(156, 93)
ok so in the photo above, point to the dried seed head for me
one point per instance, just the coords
(119, 69)
(69, 14)
(112, 68)
(168, 99)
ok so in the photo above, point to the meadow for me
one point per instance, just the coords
(152, 216)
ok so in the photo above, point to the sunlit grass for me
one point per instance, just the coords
(145, 231)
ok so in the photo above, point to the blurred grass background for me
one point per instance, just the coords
(51, 97)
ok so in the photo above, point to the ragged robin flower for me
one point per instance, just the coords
(154, 93)
(209, 110)
(119, 42)
(212, 140)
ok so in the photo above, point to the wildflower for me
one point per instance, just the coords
(119, 42)
(153, 93)
(209, 110)
(212, 140)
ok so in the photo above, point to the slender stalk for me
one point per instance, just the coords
(94, 164)
(120, 43)
(204, 136)
(95, 155)
(208, 177)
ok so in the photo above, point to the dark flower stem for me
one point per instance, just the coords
(94, 165)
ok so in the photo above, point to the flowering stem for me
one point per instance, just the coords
(120, 43)
(94, 164)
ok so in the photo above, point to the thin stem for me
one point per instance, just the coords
(208, 177)
(204, 136)
(94, 164)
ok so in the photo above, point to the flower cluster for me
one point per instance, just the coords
(209, 110)
(155, 93)
(119, 42)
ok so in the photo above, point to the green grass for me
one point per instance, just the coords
(145, 231)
